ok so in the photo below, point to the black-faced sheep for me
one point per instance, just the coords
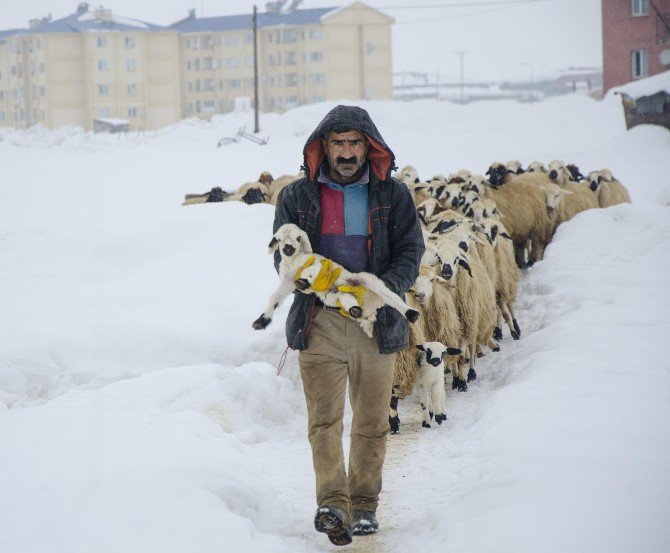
(431, 380)
(608, 190)
(581, 198)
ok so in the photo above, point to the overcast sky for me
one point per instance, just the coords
(502, 41)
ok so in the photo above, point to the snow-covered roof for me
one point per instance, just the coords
(645, 87)
(240, 22)
(81, 22)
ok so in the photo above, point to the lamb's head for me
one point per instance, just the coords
(483, 209)
(514, 166)
(423, 285)
(537, 167)
(447, 221)
(450, 195)
(408, 175)
(491, 229)
(427, 208)
(559, 173)
(606, 174)
(435, 352)
(265, 177)
(290, 240)
(476, 183)
(497, 173)
(553, 195)
(459, 177)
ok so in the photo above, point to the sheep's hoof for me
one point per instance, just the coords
(356, 312)
(515, 335)
(497, 333)
(302, 284)
(424, 424)
(472, 375)
(394, 423)
(516, 327)
(412, 315)
(261, 322)
(460, 385)
(496, 348)
(480, 354)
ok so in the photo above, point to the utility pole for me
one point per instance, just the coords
(462, 53)
(255, 37)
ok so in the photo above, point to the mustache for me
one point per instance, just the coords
(340, 159)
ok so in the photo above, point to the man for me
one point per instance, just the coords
(357, 215)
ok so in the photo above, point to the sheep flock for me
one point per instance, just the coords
(480, 231)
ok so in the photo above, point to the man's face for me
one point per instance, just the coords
(346, 152)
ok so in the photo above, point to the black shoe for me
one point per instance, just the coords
(334, 523)
(364, 522)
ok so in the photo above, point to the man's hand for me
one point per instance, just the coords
(357, 291)
(327, 276)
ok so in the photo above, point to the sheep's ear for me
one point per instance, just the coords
(463, 263)
(420, 346)
(463, 245)
(505, 235)
(273, 245)
(453, 351)
(416, 180)
(494, 232)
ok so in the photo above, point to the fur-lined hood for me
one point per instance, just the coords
(344, 119)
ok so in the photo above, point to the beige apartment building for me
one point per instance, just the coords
(96, 65)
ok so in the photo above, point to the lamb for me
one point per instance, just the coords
(536, 167)
(431, 380)
(581, 198)
(459, 177)
(607, 189)
(514, 166)
(408, 175)
(278, 184)
(299, 268)
(250, 193)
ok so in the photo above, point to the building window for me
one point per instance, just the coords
(208, 106)
(129, 42)
(131, 89)
(319, 78)
(208, 84)
(232, 63)
(43, 91)
(196, 86)
(103, 89)
(316, 56)
(42, 67)
(291, 79)
(316, 34)
(249, 38)
(249, 83)
(289, 58)
(102, 42)
(640, 64)
(289, 35)
(207, 42)
(131, 65)
(233, 83)
(132, 112)
(639, 7)
(207, 64)
(102, 65)
(231, 40)
(249, 61)
(2, 115)
(104, 112)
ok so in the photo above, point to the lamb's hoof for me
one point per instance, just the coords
(515, 335)
(412, 315)
(261, 322)
(302, 284)
(356, 312)
(472, 375)
(496, 348)
(497, 333)
(516, 327)
(460, 385)
(394, 423)
(440, 418)
(424, 424)
(480, 355)
(530, 263)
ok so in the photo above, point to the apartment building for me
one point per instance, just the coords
(91, 64)
(95, 64)
(636, 40)
(304, 56)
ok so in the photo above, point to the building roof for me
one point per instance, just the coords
(242, 22)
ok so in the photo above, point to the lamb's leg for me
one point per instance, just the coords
(394, 419)
(424, 398)
(377, 286)
(510, 308)
(438, 401)
(510, 322)
(286, 286)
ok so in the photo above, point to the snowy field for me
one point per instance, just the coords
(139, 411)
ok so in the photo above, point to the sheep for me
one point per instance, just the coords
(408, 175)
(581, 198)
(607, 189)
(428, 208)
(431, 380)
(459, 177)
(278, 184)
(536, 167)
(296, 256)
(250, 193)
(420, 192)
(524, 214)
(474, 299)
(514, 166)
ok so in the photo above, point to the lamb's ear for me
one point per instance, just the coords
(416, 180)
(453, 351)
(494, 232)
(505, 235)
(304, 241)
(273, 245)
(419, 346)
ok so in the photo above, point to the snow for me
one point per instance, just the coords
(645, 87)
(117, 19)
(139, 411)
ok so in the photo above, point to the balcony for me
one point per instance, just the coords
(662, 28)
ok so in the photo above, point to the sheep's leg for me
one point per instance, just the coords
(493, 346)
(497, 332)
(472, 375)
(458, 382)
(394, 419)
(375, 285)
(520, 254)
(480, 353)
(286, 286)
(510, 308)
(510, 322)
(536, 252)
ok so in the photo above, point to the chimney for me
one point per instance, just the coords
(191, 13)
(82, 7)
(103, 15)
(33, 23)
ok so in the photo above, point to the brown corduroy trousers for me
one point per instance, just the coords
(339, 351)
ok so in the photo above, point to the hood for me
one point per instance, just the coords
(343, 119)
